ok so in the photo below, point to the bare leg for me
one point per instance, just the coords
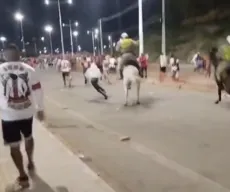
(18, 160)
(29, 146)
(126, 92)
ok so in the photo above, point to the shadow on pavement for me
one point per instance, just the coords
(38, 185)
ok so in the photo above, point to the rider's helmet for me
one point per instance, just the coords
(124, 35)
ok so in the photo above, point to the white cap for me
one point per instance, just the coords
(124, 35)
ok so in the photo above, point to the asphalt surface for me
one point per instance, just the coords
(179, 139)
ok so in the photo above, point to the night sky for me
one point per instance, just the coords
(86, 12)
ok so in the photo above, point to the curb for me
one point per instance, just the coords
(101, 183)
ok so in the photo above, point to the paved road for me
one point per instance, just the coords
(179, 139)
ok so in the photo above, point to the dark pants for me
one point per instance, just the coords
(64, 75)
(121, 73)
(14, 130)
(94, 82)
(144, 71)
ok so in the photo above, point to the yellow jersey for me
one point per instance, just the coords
(127, 45)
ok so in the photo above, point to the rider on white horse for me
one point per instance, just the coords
(126, 46)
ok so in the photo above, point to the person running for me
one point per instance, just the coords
(65, 68)
(20, 93)
(93, 74)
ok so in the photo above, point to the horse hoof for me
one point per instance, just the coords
(138, 103)
(216, 102)
(125, 104)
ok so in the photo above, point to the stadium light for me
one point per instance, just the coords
(96, 31)
(18, 16)
(48, 28)
(70, 2)
(76, 24)
(3, 39)
(75, 33)
(47, 2)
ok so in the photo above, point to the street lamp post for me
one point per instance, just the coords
(3, 40)
(75, 34)
(71, 33)
(101, 36)
(49, 29)
(47, 2)
(93, 40)
(163, 41)
(110, 44)
(19, 17)
(141, 33)
(96, 33)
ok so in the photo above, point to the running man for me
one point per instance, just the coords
(93, 74)
(65, 68)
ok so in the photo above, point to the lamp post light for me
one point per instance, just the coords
(3, 40)
(47, 2)
(71, 32)
(19, 17)
(49, 29)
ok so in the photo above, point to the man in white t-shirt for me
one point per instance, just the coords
(21, 96)
(65, 68)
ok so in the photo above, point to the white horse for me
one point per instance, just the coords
(130, 76)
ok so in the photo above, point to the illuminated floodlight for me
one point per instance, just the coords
(3, 39)
(18, 16)
(47, 2)
(96, 31)
(75, 33)
(48, 28)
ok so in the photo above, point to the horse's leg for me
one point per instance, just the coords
(219, 95)
(125, 84)
(138, 91)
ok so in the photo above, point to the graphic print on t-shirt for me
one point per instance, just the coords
(16, 88)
